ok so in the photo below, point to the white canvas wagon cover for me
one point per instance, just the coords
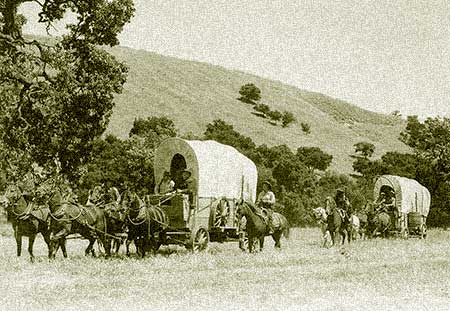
(410, 196)
(219, 170)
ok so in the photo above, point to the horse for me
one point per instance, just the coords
(145, 224)
(320, 214)
(382, 224)
(338, 224)
(257, 228)
(91, 222)
(29, 219)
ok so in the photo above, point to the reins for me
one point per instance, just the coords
(62, 210)
(26, 212)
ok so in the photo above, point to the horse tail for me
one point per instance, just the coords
(285, 224)
(286, 232)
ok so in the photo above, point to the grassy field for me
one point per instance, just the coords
(367, 275)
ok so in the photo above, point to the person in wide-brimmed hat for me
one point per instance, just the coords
(187, 184)
(266, 200)
(342, 202)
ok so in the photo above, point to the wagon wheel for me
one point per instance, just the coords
(221, 213)
(199, 241)
(423, 231)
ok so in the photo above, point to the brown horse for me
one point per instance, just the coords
(145, 224)
(257, 228)
(29, 219)
(91, 222)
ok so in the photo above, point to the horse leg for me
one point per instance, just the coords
(250, 244)
(46, 236)
(31, 239)
(127, 246)
(277, 238)
(90, 248)
(261, 243)
(107, 245)
(18, 237)
(62, 244)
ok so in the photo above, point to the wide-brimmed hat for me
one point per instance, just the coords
(187, 171)
(268, 184)
(340, 190)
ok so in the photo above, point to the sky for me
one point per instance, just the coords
(381, 55)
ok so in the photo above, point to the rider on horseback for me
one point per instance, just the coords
(342, 203)
(266, 200)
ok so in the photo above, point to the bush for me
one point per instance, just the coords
(275, 115)
(287, 118)
(249, 93)
(306, 128)
(263, 108)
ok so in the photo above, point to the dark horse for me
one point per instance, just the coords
(91, 222)
(257, 228)
(381, 223)
(145, 223)
(29, 219)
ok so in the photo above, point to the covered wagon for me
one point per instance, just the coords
(221, 176)
(411, 203)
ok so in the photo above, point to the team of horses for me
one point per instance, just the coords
(338, 226)
(137, 219)
(104, 222)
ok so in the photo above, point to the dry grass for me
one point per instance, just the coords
(370, 275)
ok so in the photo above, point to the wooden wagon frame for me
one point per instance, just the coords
(411, 201)
(222, 177)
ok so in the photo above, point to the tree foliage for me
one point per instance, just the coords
(224, 133)
(314, 158)
(58, 98)
(250, 93)
(287, 118)
(153, 129)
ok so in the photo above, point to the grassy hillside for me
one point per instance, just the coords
(193, 94)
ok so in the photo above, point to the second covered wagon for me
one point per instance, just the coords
(411, 202)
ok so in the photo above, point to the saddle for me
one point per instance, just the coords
(270, 218)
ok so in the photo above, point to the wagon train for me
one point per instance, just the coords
(221, 178)
(408, 204)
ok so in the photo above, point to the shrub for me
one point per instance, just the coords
(249, 93)
(275, 115)
(306, 128)
(287, 118)
(263, 108)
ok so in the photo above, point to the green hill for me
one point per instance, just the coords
(193, 94)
